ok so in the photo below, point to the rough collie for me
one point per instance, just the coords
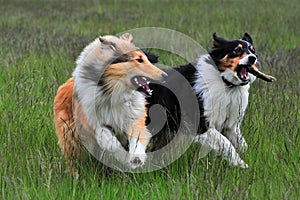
(100, 105)
(221, 80)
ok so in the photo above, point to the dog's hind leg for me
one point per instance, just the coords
(236, 138)
(67, 135)
(214, 140)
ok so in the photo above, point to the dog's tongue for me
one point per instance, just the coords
(145, 85)
(143, 82)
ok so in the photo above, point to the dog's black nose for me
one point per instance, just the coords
(252, 59)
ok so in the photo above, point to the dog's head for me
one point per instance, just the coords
(233, 58)
(129, 66)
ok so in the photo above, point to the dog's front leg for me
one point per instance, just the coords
(213, 139)
(138, 137)
(235, 136)
(109, 142)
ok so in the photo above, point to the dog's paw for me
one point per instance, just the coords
(137, 160)
(137, 153)
(243, 165)
(235, 160)
(240, 163)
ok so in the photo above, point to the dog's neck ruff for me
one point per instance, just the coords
(229, 84)
(224, 106)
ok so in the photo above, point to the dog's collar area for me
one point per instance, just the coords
(231, 85)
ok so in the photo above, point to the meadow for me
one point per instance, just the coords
(40, 41)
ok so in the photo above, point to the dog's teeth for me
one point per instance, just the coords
(144, 78)
(140, 84)
(148, 82)
(135, 79)
(149, 91)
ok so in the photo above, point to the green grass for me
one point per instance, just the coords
(39, 44)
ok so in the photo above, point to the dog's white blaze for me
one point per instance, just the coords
(245, 60)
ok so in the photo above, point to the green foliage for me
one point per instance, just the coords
(39, 44)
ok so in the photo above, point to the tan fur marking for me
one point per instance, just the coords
(116, 72)
(138, 130)
(68, 139)
(227, 63)
(230, 63)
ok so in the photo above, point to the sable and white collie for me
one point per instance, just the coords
(100, 104)
(221, 80)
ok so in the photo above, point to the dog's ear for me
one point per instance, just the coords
(247, 38)
(126, 36)
(108, 43)
(218, 40)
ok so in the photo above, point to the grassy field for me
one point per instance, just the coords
(40, 41)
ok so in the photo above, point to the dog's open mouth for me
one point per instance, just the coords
(142, 84)
(242, 72)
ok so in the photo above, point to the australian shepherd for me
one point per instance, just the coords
(100, 105)
(220, 80)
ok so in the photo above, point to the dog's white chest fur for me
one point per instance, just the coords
(224, 107)
(118, 110)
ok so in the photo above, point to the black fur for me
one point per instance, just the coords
(151, 56)
(223, 47)
(165, 97)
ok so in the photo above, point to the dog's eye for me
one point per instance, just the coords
(238, 51)
(140, 60)
(251, 48)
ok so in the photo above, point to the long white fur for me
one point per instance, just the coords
(118, 110)
(224, 109)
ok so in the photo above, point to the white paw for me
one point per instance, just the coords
(137, 153)
(243, 165)
(239, 163)
(137, 160)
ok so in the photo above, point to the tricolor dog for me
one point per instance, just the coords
(220, 80)
(101, 104)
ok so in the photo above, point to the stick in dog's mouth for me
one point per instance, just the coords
(253, 70)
